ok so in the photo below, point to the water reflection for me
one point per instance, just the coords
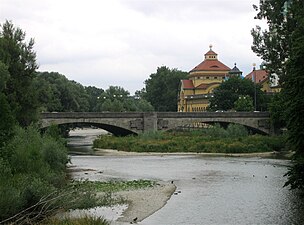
(80, 141)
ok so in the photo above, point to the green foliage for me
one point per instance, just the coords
(116, 99)
(7, 121)
(20, 63)
(162, 88)
(151, 135)
(277, 108)
(216, 139)
(228, 93)
(4, 76)
(293, 90)
(94, 93)
(296, 175)
(282, 48)
(236, 131)
(273, 44)
(32, 167)
(115, 186)
(57, 93)
(244, 104)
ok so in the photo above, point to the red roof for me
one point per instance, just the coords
(187, 84)
(210, 52)
(257, 75)
(210, 65)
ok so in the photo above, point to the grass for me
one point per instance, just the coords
(115, 186)
(234, 139)
(77, 221)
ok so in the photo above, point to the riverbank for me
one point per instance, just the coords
(113, 152)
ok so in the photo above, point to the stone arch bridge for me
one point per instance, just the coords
(125, 123)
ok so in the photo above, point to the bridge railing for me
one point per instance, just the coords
(158, 114)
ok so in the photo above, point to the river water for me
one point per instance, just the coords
(214, 190)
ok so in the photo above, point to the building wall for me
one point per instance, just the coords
(204, 78)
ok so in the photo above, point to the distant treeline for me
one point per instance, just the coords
(56, 93)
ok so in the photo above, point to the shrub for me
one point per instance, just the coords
(32, 168)
(236, 131)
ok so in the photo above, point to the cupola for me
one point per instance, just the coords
(210, 55)
(235, 71)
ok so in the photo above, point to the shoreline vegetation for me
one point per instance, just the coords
(234, 139)
(135, 194)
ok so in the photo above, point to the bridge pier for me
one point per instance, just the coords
(149, 122)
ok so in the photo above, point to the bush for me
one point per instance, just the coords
(32, 167)
(236, 131)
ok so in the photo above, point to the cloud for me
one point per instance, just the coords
(121, 42)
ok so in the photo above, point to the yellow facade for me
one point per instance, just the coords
(195, 93)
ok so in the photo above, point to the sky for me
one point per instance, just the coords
(122, 42)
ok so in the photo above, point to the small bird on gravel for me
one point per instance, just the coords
(134, 220)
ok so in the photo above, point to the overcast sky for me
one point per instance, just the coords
(121, 42)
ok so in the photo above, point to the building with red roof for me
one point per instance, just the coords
(262, 77)
(195, 92)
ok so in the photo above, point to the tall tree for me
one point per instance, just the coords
(20, 60)
(162, 88)
(57, 93)
(273, 44)
(282, 47)
(229, 92)
(93, 93)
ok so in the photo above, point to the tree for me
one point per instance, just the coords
(282, 47)
(93, 93)
(244, 103)
(117, 99)
(229, 92)
(7, 121)
(277, 108)
(162, 88)
(20, 60)
(273, 44)
(4, 76)
(57, 93)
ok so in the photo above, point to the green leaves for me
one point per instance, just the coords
(20, 65)
(229, 92)
(282, 48)
(162, 88)
(244, 104)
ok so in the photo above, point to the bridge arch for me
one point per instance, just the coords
(115, 130)
(257, 122)
(224, 124)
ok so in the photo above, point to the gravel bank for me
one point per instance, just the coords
(144, 202)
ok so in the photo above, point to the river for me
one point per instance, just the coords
(214, 190)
